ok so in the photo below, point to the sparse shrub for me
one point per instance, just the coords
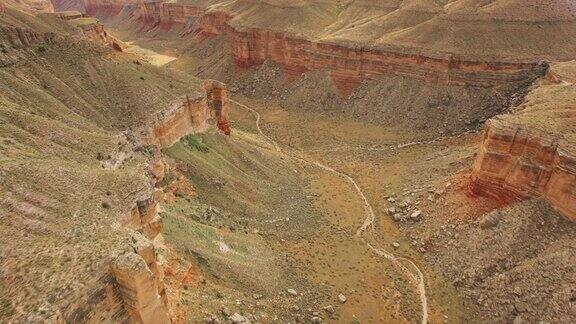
(142, 78)
(105, 205)
(195, 143)
(99, 156)
(41, 49)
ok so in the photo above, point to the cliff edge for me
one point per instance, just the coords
(531, 152)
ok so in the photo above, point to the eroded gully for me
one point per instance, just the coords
(367, 228)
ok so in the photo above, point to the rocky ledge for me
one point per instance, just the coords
(532, 152)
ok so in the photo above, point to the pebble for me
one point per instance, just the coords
(225, 311)
(416, 215)
(237, 318)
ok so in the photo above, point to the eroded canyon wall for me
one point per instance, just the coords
(131, 288)
(105, 7)
(348, 65)
(516, 161)
(97, 33)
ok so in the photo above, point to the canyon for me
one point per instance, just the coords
(531, 153)
(274, 161)
(347, 65)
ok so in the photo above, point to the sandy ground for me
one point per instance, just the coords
(148, 55)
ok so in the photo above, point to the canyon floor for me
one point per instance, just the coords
(273, 236)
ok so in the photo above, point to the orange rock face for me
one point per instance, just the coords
(516, 162)
(185, 118)
(106, 7)
(138, 288)
(217, 101)
(97, 33)
(348, 65)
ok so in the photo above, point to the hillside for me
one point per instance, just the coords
(70, 166)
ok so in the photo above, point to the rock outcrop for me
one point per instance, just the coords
(138, 272)
(94, 30)
(532, 152)
(217, 102)
(97, 8)
(191, 115)
(348, 64)
(517, 162)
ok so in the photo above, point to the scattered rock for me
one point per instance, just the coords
(316, 319)
(490, 220)
(237, 319)
(292, 292)
(416, 215)
(257, 296)
(329, 309)
(396, 245)
(398, 217)
(225, 311)
(342, 298)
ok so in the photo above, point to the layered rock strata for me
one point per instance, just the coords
(190, 115)
(105, 7)
(139, 274)
(532, 152)
(217, 101)
(517, 162)
(348, 64)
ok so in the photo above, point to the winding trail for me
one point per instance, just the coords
(407, 266)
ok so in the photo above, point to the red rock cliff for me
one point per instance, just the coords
(106, 7)
(516, 162)
(192, 115)
(348, 64)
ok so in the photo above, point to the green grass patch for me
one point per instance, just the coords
(195, 143)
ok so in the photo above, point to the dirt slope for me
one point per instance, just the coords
(66, 169)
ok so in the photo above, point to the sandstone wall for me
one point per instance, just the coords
(217, 102)
(348, 65)
(106, 7)
(187, 117)
(515, 162)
